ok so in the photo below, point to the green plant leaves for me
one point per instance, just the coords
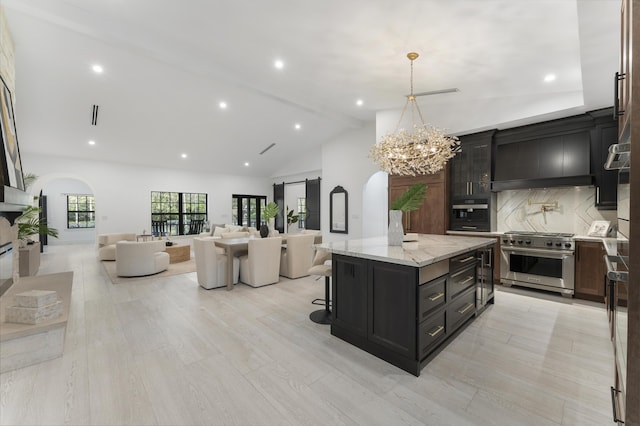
(411, 199)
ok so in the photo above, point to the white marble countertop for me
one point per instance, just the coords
(425, 251)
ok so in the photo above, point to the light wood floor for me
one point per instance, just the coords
(165, 351)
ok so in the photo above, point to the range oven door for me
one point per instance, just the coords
(538, 268)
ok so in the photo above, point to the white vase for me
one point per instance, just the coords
(396, 233)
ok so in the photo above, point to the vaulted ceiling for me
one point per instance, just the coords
(168, 65)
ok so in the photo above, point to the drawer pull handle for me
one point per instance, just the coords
(466, 308)
(468, 279)
(615, 406)
(465, 260)
(435, 297)
(436, 332)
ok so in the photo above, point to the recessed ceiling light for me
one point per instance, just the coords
(92, 142)
(223, 105)
(246, 164)
(184, 155)
(549, 78)
(359, 102)
(278, 64)
(297, 126)
(97, 69)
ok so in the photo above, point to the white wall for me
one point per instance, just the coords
(56, 192)
(345, 162)
(123, 192)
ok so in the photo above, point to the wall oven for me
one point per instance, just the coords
(538, 260)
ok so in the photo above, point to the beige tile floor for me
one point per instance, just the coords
(164, 351)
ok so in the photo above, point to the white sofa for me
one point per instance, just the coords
(211, 263)
(221, 230)
(134, 259)
(107, 244)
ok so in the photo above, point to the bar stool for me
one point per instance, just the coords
(322, 316)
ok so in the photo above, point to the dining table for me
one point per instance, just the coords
(234, 247)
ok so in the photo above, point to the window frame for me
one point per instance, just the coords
(177, 202)
(91, 213)
(260, 201)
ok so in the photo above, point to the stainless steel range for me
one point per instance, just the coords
(538, 260)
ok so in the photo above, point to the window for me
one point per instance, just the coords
(246, 210)
(302, 211)
(81, 211)
(177, 213)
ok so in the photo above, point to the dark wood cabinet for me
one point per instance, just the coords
(590, 271)
(400, 313)
(603, 136)
(433, 215)
(349, 298)
(471, 167)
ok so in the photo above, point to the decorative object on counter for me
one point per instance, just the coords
(599, 228)
(420, 151)
(34, 307)
(29, 223)
(339, 210)
(410, 200)
(269, 212)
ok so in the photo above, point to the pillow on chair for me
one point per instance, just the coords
(217, 231)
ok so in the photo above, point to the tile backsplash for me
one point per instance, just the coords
(535, 210)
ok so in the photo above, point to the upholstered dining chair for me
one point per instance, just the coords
(322, 316)
(296, 258)
(211, 263)
(261, 265)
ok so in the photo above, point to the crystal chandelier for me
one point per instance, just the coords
(423, 150)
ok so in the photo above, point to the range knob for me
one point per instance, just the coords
(505, 240)
(567, 245)
(549, 243)
(513, 241)
(520, 241)
(558, 244)
(528, 242)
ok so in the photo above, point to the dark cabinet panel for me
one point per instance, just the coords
(516, 161)
(391, 293)
(550, 157)
(576, 156)
(471, 168)
(590, 270)
(350, 297)
(604, 135)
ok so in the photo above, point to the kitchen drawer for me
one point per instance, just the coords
(430, 297)
(462, 261)
(461, 281)
(460, 310)
(431, 332)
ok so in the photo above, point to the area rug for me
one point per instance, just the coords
(174, 269)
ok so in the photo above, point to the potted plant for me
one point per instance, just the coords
(269, 212)
(29, 224)
(410, 200)
(292, 218)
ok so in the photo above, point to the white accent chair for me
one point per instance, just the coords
(134, 259)
(261, 266)
(297, 257)
(322, 316)
(211, 263)
(107, 244)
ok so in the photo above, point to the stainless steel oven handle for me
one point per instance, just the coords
(548, 253)
(612, 273)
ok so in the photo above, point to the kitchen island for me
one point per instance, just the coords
(404, 304)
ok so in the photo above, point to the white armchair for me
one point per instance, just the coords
(135, 259)
(296, 259)
(107, 244)
(261, 266)
(211, 263)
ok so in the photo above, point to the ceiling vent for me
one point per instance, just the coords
(436, 92)
(268, 148)
(94, 115)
